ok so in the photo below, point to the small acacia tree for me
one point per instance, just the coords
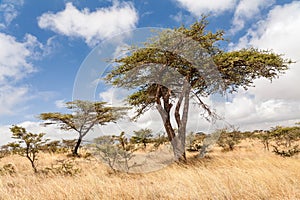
(84, 116)
(27, 145)
(186, 63)
(142, 136)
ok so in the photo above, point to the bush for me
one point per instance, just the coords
(287, 153)
(115, 151)
(62, 167)
(229, 139)
(7, 169)
(286, 140)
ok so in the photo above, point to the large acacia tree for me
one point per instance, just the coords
(185, 63)
(83, 117)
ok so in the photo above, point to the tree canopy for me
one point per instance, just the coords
(142, 136)
(83, 117)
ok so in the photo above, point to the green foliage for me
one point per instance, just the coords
(84, 116)
(141, 136)
(229, 139)
(241, 68)
(285, 136)
(27, 145)
(285, 140)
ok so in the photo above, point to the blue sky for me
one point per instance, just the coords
(44, 43)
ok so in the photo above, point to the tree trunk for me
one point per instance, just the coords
(176, 141)
(75, 151)
(180, 155)
(32, 164)
(178, 149)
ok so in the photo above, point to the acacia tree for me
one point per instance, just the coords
(27, 145)
(142, 136)
(84, 116)
(186, 63)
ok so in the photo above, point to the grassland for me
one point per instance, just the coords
(248, 172)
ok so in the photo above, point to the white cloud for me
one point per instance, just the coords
(199, 7)
(114, 96)
(60, 103)
(91, 26)
(14, 65)
(280, 32)
(9, 10)
(276, 102)
(250, 110)
(14, 62)
(182, 18)
(10, 97)
(248, 9)
(5, 134)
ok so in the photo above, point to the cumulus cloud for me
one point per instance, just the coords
(16, 63)
(200, 7)
(248, 111)
(277, 101)
(9, 11)
(248, 9)
(91, 26)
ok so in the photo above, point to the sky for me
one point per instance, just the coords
(46, 48)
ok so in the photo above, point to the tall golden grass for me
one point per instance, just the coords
(248, 172)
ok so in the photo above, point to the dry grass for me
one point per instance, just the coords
(246, 173)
